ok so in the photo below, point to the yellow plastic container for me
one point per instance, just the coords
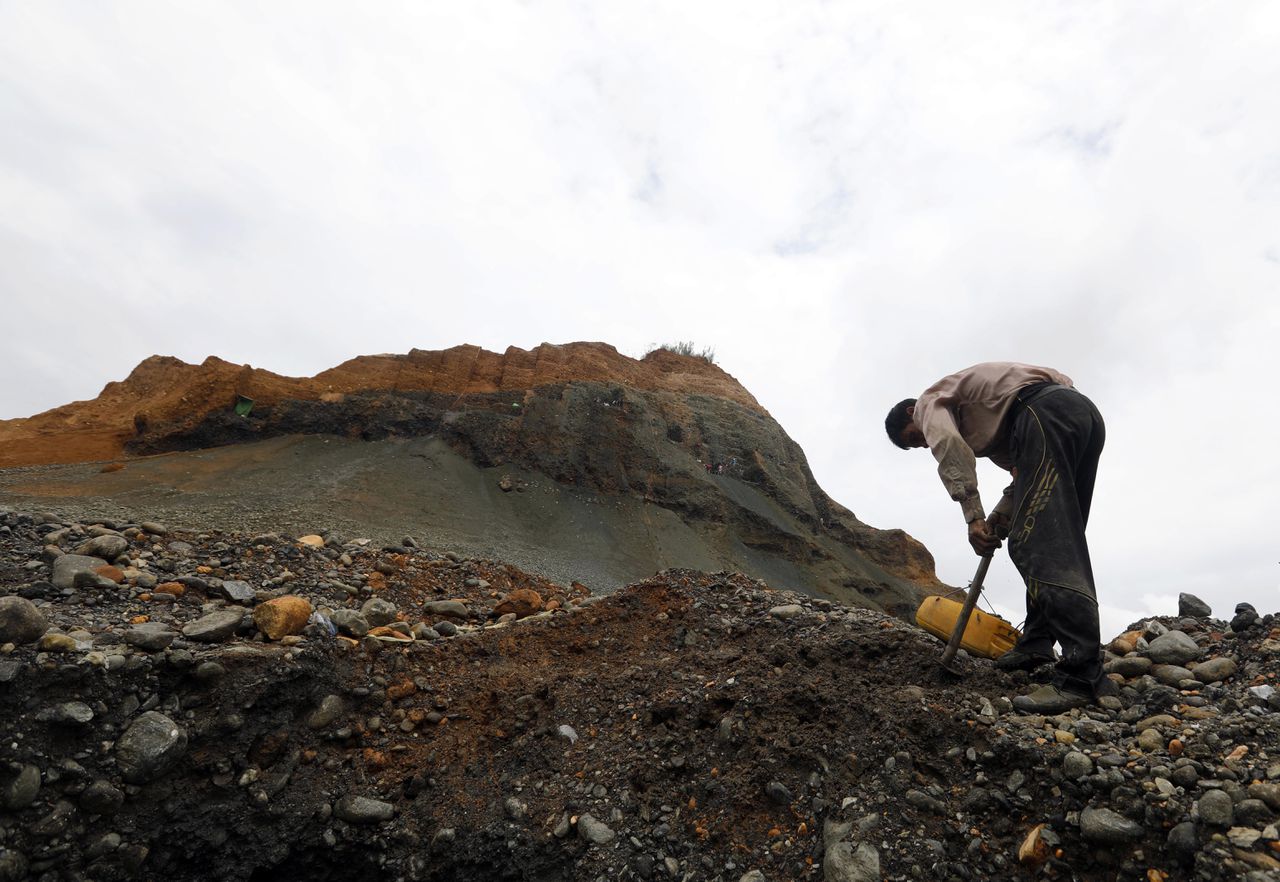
(986, 635)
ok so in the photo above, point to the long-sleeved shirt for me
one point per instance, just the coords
(963, 416)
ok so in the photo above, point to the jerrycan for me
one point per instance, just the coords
(986, 635)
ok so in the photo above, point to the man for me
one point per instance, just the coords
(1030, 421)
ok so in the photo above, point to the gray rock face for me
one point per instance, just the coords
(350, 622)
(1105, 826)
(844, 863)
(377, 611)
(1173, 648)
(108, 547)
(787, 611)
(1190, 605)
(1216, 809)
(596, 832)
(66, 567)
(214, 627)
(363, 810)
(150, 747)
(20, 621)
(1215, 669)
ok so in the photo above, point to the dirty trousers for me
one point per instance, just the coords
(1056, 439)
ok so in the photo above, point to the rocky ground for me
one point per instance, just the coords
(196, 706)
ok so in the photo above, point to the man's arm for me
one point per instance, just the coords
(957, 466)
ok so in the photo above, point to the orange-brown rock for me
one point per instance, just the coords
(115, 574)
(282, 616)
(402, 689)
(384, 631)
(174, 589)
(1125, 643)
(523, 602)
(1034, 851)
(166, 391)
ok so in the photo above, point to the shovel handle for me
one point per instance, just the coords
(970, 601)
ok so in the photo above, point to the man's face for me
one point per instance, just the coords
(911, 435)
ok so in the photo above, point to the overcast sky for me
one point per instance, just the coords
(846, 200)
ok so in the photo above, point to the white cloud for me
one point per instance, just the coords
(847, 201)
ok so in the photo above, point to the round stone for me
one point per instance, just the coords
(1216, 809)
(1076, 765)
(1173, 648)
(20, 621)
(1215, 669)
(150, 747)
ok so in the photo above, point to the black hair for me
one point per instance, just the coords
(897, 420)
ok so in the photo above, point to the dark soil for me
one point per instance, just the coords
(715, 727)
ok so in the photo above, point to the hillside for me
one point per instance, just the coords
(573, 461)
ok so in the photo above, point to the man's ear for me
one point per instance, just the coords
(911, 412)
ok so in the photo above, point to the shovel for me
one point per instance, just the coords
(962, 621)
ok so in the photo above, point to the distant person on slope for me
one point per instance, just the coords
(1030, 421)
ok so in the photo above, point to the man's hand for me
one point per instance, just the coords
(998, 523)
(982, 538)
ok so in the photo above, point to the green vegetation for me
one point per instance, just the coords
(687, 347)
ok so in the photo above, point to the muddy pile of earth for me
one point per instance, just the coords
(571, 453)
(272, 707)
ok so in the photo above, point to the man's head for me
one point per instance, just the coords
(902, 428)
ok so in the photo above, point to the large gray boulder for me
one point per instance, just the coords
(20, 621)
(1173, 648)
(1190, 605)
(66, 567)
(150, 747)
